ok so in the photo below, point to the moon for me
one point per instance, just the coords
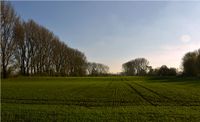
(185, 38)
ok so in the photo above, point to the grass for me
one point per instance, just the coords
(45, 99)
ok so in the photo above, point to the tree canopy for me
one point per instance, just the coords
(191, 63)
(96, 69)
(138, 66)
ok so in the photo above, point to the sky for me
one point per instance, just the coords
(115, 32)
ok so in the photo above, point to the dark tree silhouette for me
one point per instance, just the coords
(191, 63)
(137, 66)
(165, 71)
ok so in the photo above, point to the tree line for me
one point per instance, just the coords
(141, 67)
(28, 48)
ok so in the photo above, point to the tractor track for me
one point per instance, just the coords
(141, 95)
(80, 102)
(160, 95)
(175, 102)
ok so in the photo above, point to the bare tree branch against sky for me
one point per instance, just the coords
(115, 32)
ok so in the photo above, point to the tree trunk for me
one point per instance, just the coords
(4, 72)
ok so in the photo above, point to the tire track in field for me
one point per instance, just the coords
(114, 101)
(148, 89)
(175, 102)
(80, 102)
(140, 94)
(85, 103)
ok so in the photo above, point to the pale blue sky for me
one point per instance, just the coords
(116, 32)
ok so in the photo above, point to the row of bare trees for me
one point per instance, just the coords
(31, 49)
(39, 51)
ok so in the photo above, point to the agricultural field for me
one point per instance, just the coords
(89, 99)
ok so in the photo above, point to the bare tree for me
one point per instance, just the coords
(137, 66)
(78, 63)
(19, 33)
(8, 19)
(96, 69)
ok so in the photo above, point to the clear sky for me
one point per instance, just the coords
(113, 33)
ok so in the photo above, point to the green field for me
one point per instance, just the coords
(100, 99)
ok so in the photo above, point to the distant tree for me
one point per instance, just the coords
(155, 71)
(151, 71)
(92, 68)
(172, 72)
(137, 66)
(8, 19)
(96, 69)
(190, 63)
(165, 71)
(128, 68)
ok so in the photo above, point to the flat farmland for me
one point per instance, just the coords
(47, 99)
